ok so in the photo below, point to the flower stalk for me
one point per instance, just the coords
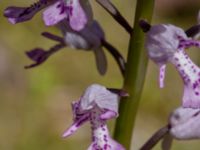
(134, 77)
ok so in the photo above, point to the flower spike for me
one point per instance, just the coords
(167, 43)
(96, 105)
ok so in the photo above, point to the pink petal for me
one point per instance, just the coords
(78, 18)
(75, 126)
(53, 14)
(108, 115)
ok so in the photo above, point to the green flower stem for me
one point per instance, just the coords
(135, 75)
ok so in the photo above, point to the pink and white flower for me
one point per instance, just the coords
(96, 105)
(167, 43)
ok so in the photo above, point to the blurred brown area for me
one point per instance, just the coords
(35, 104)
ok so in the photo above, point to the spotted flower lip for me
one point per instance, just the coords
(56, 10)
(185, 123)
(96, 105)
(167, 43)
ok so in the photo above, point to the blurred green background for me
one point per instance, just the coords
(35, 104)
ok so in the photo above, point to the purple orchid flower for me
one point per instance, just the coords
(96, 106)
(88, 39)
(72, 11)
(167, 43)
(185, 123)
(91, 38)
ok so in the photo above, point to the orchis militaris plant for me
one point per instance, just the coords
(167, 43)
(96, 105)
(76, 12)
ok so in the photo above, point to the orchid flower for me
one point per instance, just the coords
(185, 123)
(88, 39)
(75, 12)
(91, 38)
(167, 43)
(96, 106)
(75, 19)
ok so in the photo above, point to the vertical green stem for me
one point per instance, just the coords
(135, 76)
